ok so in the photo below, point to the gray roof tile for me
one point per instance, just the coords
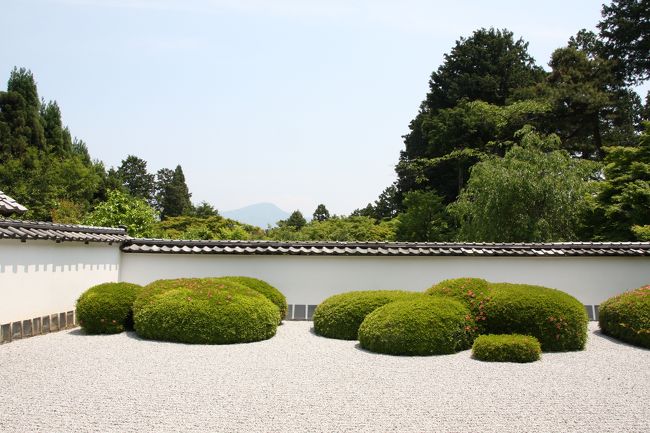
(10, 206)
(39, 230)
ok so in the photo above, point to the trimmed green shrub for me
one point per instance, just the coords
(273, 294)
(106, 308)
(424, 326)
(339, 316)
(203, 311)
(475, 293)
(556, 319)
(506, 348)
(627, 317)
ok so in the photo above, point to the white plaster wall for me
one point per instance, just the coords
(38, 278)
(311, 279)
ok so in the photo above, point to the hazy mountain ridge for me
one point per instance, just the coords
(258, 214)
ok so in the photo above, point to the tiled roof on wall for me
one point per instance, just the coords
(159, 246)
(38, 230)
(10, 206)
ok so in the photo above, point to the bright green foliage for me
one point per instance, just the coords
(528, 196)
(626, 317)
(625, 30)
(556, 319)
(200, 228)
(424, 326)
(624, 198)
(506, 348)
(425, 218)
(123, 210)
(107, 308)
(321, 213)
(344, 229)
(205, 210)
(203, 311)
(339, 316)
(273, 294)
(642, 233)
(136, 179)
(295, 221)
(474, 293)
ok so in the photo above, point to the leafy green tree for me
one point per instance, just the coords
(295, 221)
(623, 201)
(123, 210)
(175, 195)
(321, 213)
(211, 227)
(425, 218)
(57, 137)
(343, 229)
(205, 210)
(625, 31)
(136, 179)
(533, 194)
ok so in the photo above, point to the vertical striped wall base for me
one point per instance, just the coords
(37, 326)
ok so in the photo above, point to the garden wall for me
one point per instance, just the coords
(308, 280)
(42, 280)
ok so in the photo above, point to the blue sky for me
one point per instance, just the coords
(291, 102)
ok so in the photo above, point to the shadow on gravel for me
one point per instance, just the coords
(598, 333)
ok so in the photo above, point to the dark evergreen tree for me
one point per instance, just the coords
(321, 213)
(136, 179)
(295, 221)
(176, 196)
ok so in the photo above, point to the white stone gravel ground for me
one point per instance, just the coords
(299, 382)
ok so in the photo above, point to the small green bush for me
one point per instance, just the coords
(506, 348)
(203, 311)
(273, 294)
(339, 316)
(424, 326)
(475, 293)
(627, 317)
(556, 319)
(106, 308)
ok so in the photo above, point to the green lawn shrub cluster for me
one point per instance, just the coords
(475, 293)
(340, 316)
(556, 319)
(107, 308)
(273, 294)
(626, 317)
(204, 311)
(423, 326)
(506, 348)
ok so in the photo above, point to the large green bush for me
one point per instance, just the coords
(473, 292)
(627, 317)
(424, 326)
(339, 316)
(107, 308)
(273, 294)
(556, 319)
(506, 348)
(204, 311)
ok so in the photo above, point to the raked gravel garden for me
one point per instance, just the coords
(212, 355)
(299, 382)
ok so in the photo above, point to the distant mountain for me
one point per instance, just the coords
(259, 214)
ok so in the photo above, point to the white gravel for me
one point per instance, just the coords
(298, 382)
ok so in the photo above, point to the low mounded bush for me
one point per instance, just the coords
(107, 308)
(556, 319)
(627, 317)
(203, 311)
(506, 348)
(339, 316)
(273, 294)
(475, 293)
(424, 326)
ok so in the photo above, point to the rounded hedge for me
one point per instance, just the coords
(340, 316)
(506, 348)
(107, 308)
(556, 319)
(273, 294)
(475, 293)
(626, 317)
(203, 311)
(424, 326)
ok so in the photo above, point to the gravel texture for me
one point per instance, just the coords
(298, 382)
